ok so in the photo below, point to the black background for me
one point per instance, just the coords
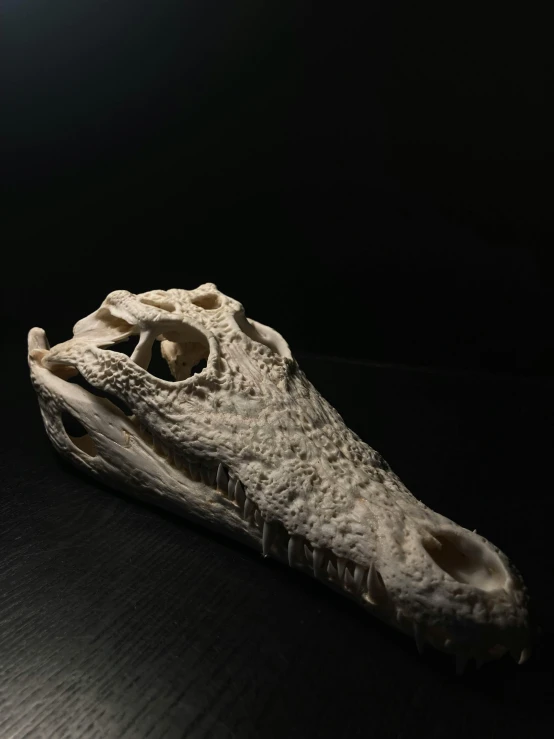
(374, 181)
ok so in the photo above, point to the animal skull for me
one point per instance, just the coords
(247, 446)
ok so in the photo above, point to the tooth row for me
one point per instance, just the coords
(325, 565)
(299, 553)
(193, 470)
(233, 489)
(463, 654)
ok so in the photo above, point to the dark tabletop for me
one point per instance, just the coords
(122, 620)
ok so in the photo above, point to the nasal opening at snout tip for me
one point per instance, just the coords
(466, 559)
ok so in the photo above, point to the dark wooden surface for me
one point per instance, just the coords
(121, 620)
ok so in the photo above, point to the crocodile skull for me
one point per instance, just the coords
(247, 446)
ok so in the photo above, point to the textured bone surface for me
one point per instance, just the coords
(247, 446)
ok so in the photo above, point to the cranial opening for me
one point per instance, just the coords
(126, 346)
(77, 434)
(78, 379)
(466, 560)
(185, 358)
(72, 375)
(174, 355)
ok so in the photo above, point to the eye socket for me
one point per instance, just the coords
(172, 356)
(208, 302)
(184, 358)
(158, 365)
(201, 365)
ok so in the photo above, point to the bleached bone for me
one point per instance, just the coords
(247, 446)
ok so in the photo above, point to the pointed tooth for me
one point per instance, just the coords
(258, 518)
(348, 580)
(295, 550)
(524, 656)
(239, 494)
(207, 475)
(341, 566)
(318, 561)
(331, 570)
(359, 575)
(222, 479)
(419, 637)
(231, 489)
(290, 551)
(375, 586)
(249, 508)
(268, 536)
(461, 662)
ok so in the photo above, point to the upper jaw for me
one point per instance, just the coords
(465, 621)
